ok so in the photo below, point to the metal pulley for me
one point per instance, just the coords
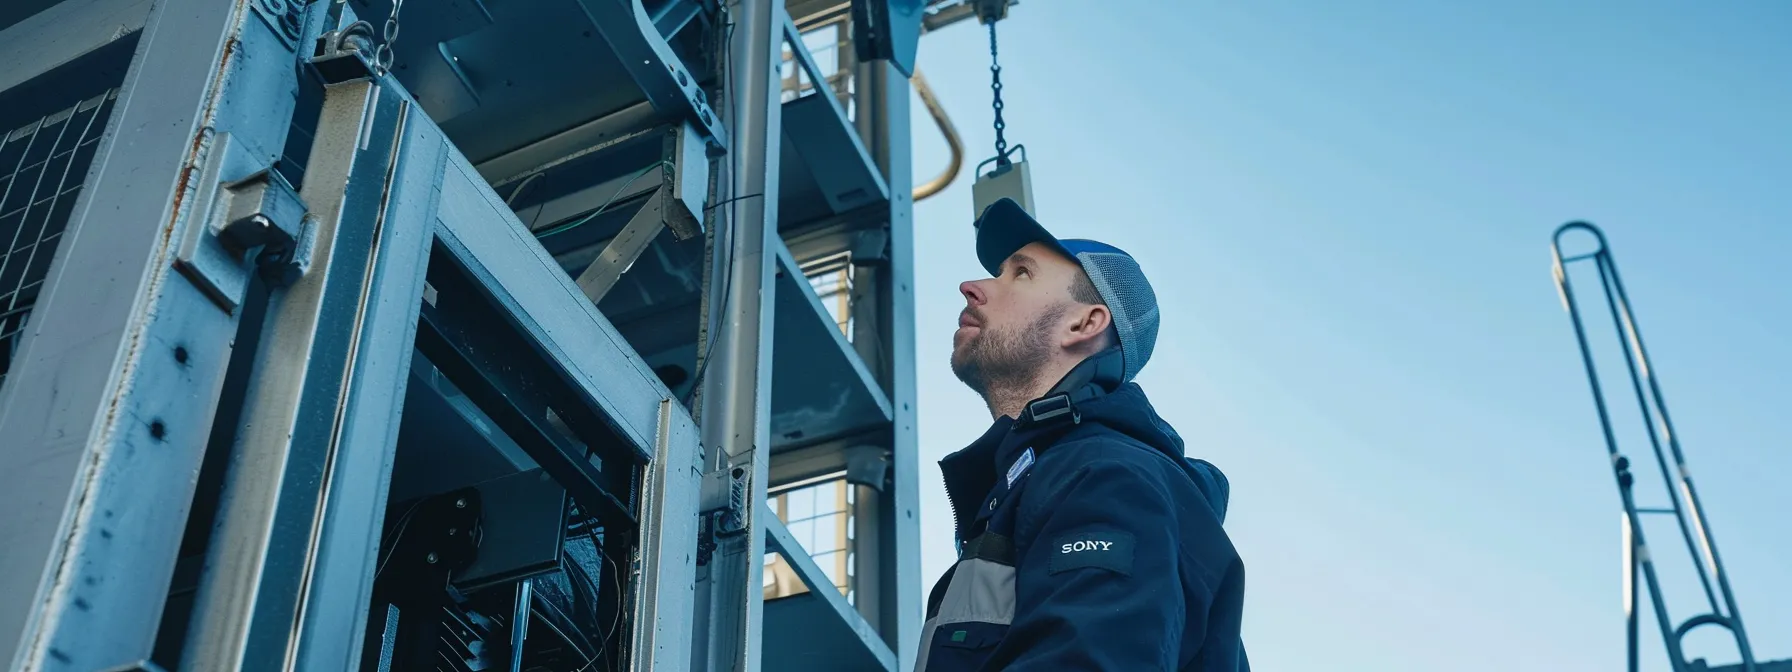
(1009, 178)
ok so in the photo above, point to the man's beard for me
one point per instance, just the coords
(1006, 361)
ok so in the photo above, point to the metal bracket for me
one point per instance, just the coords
(867, 465)
(647, 56)
(245, 214)
(888, 30)
(689, 152)
(723, 500)
(285, 17)
(724, 492)
(344, 55)
(991, 11)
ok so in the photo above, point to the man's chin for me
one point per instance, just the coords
(962, 367)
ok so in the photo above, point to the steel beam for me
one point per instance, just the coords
(97, 478)
(621, 252)
(736, 393)
(504, 258)
(630, 123)
(63, 33)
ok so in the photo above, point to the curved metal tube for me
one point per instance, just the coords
(955, 143)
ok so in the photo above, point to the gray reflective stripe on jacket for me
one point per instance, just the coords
(981, 591)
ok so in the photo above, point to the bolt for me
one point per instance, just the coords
(452, 531)
(157, 430)
(180, 354)
(460, 503)
(431, 558)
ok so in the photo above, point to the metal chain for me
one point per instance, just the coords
(995, 86)
(382, 57)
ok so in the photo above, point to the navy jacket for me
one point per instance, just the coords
(1087, 542)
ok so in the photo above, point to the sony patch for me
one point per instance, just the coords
(1020, 466)
(1111, 550)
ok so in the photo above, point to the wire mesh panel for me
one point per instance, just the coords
(42, 166)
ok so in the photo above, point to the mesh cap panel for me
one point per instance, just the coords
(1121, 283)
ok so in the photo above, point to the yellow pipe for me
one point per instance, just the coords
(938, 184)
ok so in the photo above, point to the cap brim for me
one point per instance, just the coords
(1004, 228)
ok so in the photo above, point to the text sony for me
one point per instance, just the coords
(1079, 546)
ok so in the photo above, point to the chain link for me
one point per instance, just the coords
(995, 86)
(382, 57)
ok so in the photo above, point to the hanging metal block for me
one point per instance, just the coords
(1006, 181)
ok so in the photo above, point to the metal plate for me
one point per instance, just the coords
(499, 76)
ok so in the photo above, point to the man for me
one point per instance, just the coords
(1086, 540)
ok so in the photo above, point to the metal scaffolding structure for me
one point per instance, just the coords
(524, 335)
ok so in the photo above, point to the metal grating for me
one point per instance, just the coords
(42, 167)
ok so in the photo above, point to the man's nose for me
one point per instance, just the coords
(973, 292)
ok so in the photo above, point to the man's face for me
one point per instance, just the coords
(1009, 327)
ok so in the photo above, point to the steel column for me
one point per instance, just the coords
(97, 477)
(334, 614)
(884, 317)
(259, 564)
(663, 604)
(736, 392)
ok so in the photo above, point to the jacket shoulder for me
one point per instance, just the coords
(1086, 471)
(1128, 483)
(1112, 454)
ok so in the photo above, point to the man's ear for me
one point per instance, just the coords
(1089, 324)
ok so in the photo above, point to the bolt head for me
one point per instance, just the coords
(460, 503)
(431, 558)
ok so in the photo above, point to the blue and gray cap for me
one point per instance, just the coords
(1004, 228)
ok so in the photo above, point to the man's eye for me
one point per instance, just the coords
(1022, 271)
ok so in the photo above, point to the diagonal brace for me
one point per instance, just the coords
(598, 278)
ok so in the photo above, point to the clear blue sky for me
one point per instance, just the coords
(1346, 210)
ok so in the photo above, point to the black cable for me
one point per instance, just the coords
(616, 622)
(511, 202)
(404, 522)
(731, 200)
(727, 216)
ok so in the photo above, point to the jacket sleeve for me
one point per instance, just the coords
(1099, 586)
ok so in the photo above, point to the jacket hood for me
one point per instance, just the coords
(1127, 411)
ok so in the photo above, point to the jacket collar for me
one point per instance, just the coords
(972, 472)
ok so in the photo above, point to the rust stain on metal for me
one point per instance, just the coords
(62, 579)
